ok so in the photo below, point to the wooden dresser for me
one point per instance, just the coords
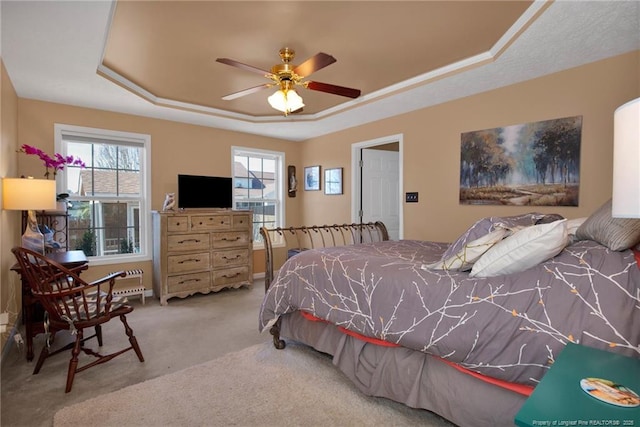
(201, 250)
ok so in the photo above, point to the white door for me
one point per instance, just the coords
(380, 189)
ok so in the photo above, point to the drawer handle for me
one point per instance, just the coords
(229, 276)
(189, 280)
(189, 260)
(189, 240)
(229, 258)
(231, 240)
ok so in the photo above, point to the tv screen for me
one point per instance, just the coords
(196, 191)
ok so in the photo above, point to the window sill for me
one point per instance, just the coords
(118, 259)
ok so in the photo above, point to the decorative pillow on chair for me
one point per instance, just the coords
(617, 234)
(91, 298)
(487, 225)
(470, 252)
(523, 249)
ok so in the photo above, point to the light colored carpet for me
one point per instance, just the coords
(255, 386)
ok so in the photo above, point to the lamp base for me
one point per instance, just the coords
(32, 238)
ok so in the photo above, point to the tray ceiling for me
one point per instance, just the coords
(157, 58)
(169, 48)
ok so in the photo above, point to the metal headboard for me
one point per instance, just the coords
(296, 239)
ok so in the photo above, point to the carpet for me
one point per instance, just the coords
(255, 386)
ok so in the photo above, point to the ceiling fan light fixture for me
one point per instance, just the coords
(286, 76)
(286, 101)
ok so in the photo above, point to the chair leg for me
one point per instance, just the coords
(44, 353)
(132, 339)
(73, 363)
(99, 334)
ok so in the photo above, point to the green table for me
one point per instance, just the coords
(560, 401)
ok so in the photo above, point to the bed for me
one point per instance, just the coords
(464, 329)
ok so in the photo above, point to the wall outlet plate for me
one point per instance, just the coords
(4, 318)
(411, 197)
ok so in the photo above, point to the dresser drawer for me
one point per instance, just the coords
(230, 257)
(231, 238)
(188, 262)
(210, 222)
(188, 282)
(241, 222)
(221, 278)
(188, 242)
(177, 223)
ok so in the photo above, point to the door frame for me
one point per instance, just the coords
(356, 176)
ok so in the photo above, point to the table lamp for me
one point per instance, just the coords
(626, 161)
(28, 194)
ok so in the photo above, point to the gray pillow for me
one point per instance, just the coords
(549, 218)
(617, 234)
(487, 225)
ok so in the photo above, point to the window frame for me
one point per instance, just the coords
(124, 138)
(280, 180)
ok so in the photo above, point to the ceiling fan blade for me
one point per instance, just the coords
(246, 91)
(313, 64)
(246, 67)
(336, 90)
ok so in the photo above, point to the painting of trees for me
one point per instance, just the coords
(536, 164)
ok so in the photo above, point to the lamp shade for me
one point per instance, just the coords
(26, 194)
(286, 101)
(626, 161)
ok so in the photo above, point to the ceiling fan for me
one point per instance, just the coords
(286, 77)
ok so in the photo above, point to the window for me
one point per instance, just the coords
(107, 204)
(257, 185)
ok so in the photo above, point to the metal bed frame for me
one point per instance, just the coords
(297, 239)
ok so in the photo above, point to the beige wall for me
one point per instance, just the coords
(175, 148)
(431, 139)
(9, 220)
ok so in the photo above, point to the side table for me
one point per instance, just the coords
(559, 399)
(32, 311)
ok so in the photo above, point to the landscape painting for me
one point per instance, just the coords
(532, 164)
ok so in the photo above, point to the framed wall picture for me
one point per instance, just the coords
(528, 164)
(312, 178)
(333, 181)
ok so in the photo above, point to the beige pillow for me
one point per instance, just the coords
(523, 249)
(617, 234)
(463, 260)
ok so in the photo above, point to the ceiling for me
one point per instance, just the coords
(157, 58)
(157, 45)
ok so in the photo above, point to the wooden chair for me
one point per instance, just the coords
(72, 304)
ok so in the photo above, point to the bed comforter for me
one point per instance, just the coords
(509, 327)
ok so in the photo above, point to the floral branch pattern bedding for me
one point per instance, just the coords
(510, 327)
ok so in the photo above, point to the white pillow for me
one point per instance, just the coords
(523, 249)
(470, 252)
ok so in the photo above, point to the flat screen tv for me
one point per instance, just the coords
(196, 191)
